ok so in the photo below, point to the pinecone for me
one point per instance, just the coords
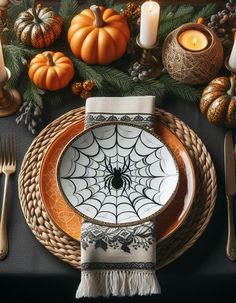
(77, 87)
(132, 12)
(131, 6)
(88, 85)
(85, 94)
(126, 14)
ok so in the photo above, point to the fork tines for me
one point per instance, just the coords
(7, 151)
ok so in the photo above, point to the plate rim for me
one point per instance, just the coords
(133, 223)
(193, 171)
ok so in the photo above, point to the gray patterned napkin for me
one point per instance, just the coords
(118, 261)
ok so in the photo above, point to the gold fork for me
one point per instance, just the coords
(8, 161)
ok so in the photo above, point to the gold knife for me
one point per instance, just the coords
(230, 190)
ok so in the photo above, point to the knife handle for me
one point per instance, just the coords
(231, 241)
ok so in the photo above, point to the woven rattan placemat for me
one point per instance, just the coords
(67, 249)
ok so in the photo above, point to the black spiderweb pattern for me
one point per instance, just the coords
(117, 174)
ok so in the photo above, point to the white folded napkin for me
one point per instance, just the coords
(136, 110)
(118, 261)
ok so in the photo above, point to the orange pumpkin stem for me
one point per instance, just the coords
(36, 17)
(231, 91)
(98, 21)
(50, 59)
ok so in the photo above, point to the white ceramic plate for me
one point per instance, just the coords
(117, 174)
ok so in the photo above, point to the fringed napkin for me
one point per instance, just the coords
(118, 261)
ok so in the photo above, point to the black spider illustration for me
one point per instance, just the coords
(117, 177)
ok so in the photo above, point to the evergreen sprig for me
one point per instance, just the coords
(14, 56)
(181, 90)
(30, 92)
(173, 18)
(15, 10)
(150, 87)
(115, 77)
(68, 10)
(205, 12)
(88, 72)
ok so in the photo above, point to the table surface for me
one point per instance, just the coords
(30, 271)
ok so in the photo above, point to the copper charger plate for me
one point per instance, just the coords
(69, 222)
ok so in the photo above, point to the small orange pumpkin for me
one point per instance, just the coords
(98, 35)
(51, 71)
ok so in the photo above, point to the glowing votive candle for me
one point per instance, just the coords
(150, 12)
(193, 40)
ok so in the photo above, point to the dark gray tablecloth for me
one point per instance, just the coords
(31, 273)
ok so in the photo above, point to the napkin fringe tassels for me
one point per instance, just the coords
(118, 283)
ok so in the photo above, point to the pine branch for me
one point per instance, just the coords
(15, 10)
(182, 15)
(149, 87)
(13, 56)
(115, 77)
(167, 13)
(118, 6)
(30, 92)
(184, 91)
(68, 9)
(105, 3)
(109, 3)
(183, 10)
(206, 12)
(87, 72)
(108, 90)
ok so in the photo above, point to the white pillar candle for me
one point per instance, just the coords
(232, 58)
(150, 12)
(3, 71)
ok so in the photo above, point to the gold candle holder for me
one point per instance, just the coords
(149, 64)
(148, 61)
(10, 100)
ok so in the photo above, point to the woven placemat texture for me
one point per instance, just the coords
(67, 249)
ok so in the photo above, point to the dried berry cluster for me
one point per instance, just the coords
(224, 22)
(139, 72)
(31, 115)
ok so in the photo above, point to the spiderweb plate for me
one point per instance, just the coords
(117, 174)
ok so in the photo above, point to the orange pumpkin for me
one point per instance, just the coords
(98, 35)
(51, 71)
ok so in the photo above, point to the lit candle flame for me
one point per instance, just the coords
(150, 6)
(194, 41)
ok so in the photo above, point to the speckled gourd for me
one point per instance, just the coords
(218, 101)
